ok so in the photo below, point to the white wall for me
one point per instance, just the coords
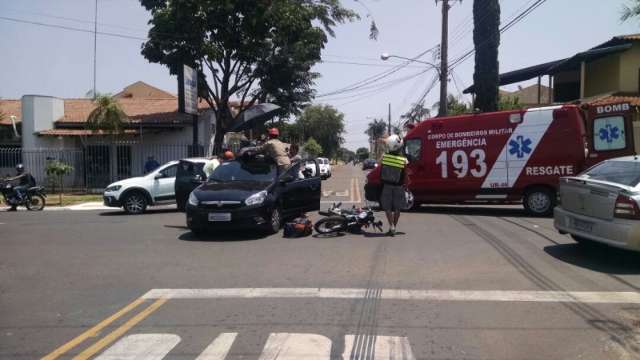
(39, 113)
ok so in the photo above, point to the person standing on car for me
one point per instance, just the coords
(24, 181)
(393, 176)
(275, 149)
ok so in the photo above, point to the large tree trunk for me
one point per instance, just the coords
(486, 38)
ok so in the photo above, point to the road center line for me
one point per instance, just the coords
(612, 297)
(115, 334)
(94, 331)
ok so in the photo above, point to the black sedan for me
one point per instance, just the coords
(251, 194)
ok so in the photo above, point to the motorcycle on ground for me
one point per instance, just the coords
(34, 198)
(340, 220)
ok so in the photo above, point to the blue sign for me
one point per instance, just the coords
(520, 146)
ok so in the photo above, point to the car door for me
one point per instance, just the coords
(301, 193)
(189, 175)
(163, 184)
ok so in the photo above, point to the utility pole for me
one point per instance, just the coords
(444, 63)
(95, 47)
(389, 119)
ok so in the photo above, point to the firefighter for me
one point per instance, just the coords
(393, 176)
(275, 149)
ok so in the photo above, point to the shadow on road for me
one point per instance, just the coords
(223, 236)
(471, 211)
(597, 257)
(147, 212)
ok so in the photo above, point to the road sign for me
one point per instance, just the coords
(188, 90)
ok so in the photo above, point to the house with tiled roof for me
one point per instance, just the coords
(46, 124)
(606, 74)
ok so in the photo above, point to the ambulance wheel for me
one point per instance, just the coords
(539, 201)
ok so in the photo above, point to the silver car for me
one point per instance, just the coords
(602, 204)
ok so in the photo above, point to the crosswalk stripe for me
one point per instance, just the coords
(219, 348)
(141, 347)
(286, 346)
(613, 297)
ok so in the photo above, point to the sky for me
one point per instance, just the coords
(59, 62)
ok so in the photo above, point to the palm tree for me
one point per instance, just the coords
(629, 12)
(107, 116)
(486, 40)
(376, 130)
(417, 113)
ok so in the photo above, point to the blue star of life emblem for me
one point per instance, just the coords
(520, 146)
(609, 133)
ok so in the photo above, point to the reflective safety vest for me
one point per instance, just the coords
(393, 169)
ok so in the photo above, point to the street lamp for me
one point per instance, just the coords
(387, 56)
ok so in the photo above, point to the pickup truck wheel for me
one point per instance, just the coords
(539, 201)
(135, 203)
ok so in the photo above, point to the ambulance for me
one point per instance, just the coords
(507, 157)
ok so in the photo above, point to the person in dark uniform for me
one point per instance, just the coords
(393, 176)
(24, 181)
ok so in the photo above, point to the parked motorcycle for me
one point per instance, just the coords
(33, 200)
(341, 220)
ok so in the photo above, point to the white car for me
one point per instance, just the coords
(325, 168)
(154, 188)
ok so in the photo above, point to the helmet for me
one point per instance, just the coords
(228, 155)
(20, 168)
(274, 132)
(394, 142)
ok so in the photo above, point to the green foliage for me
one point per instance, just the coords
(312, 148)
(107, 116)
(254, 51)
(323, 123)
(56, 170)
(362, 153)
(345, 155)
(454, 106)
(630, 11)
(376, 129)
(509, 103)
(417, 113)
(486, 39)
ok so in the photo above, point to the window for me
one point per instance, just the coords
(621, 172)
(239, 171)
(413, 149)
(609, 133)
(170, 172)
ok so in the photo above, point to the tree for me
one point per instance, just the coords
(107, 116)
(376, 130)
(486, 39)
(254, 51)
(454, 106)
(362, 153)
(509, 103)
(325, 124)
(345, 155)
(631, 11)
(417, 113)
(312, 148)
(57, 169)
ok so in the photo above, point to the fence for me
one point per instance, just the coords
(96, 165)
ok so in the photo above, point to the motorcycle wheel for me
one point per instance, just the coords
(35, 203)
(331, 224)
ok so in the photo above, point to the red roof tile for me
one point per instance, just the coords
(81, 132)
(633, 99)
(8, 108)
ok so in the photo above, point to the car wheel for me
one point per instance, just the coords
(135, 203)
(275, 221)
(539, 201)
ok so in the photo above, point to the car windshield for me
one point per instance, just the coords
(621, 172)
(242, 171)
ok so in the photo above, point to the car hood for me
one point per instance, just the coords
(130, 181)
(230, 191)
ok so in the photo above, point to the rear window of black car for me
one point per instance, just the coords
(241, 171)
(620, 172)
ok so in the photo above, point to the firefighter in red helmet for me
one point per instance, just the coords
(275, 149)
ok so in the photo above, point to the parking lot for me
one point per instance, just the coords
(458, 282)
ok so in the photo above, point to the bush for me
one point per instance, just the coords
(56, 170)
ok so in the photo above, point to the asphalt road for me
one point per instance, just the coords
(459, 282)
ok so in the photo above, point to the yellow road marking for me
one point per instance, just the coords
(115, 334)
(358, 194)
(94, 331)
(351, 191)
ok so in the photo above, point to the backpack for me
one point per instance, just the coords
(299, 227)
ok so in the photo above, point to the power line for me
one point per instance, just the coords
(367, 64)
(70, 28)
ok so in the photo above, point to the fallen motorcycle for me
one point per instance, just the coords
(340, 220)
